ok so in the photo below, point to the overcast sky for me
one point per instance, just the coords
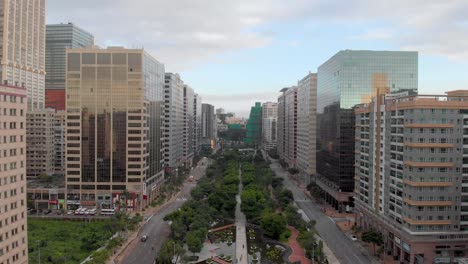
(236, 52)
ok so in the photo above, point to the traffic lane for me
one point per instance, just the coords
(157, 229)
(343, 248)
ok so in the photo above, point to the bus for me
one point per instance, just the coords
(107, 211)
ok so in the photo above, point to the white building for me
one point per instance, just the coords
(269, 125)
(23, 49)
(173, 120)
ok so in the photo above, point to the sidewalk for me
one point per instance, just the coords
(298, 253)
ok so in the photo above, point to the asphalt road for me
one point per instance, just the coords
(346, 250)
(156, 229)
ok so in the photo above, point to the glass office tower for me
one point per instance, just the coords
(114, 121)
(349, 78)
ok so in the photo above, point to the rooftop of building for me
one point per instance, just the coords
(50, 182)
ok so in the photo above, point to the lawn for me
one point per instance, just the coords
(66, 241)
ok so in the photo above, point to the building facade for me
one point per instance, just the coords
(188, 149)
(411, 184)
(287, 126)
(13, 231)
(23, 50)
(209, 126)
(174, 120)
(60, 37)
(253, 133)
(197, 123)
(113, 133)
(59, 142)
(269, 125)
(346, 79)
(40, 136)
(306, 127)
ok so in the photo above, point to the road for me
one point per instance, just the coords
(241, 236)
(156, 229)
(346, 250)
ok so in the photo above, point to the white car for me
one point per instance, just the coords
(70, 212)
(353, 237)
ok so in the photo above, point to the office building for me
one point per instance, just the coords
(306, 127)
(346, 79)
(23, 49)
(59, 142)
(287, 126)
(197, 122)
(60, 37)
(40, 138)
(189, 126)
(411, 181)
(114, 140)
(269, 121)
(174, 120)
(209, 126)
(13, 231)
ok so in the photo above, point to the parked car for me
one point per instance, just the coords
(47, 212)
(144, 238)
(353, 237)
(70, 212)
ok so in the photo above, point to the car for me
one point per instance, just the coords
(70, 212)
(353, 237)
(47, 211)
(144, 238)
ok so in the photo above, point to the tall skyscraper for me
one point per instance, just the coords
(306, 126)
(113, 144)
(197, 107)
(269, 128)
(209, 126)
(174, 120)
(189, 126)
(254, 125)
(411, 176)
(23, 50)
(14, 239)
(287, 126)
(60, 37)
(350, 78)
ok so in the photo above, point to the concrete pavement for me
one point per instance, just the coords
(346, 250)
(241, 236)
(156, 229)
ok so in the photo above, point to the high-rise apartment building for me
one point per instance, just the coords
(60, 37)
(209, 126)
(346, 79)
(411, 174)
(13, 231)
(189, 126)
(23, 50)
(269, 127)
(306, 126)
(197, 112)
(287, 126)
(173, 120)
(113, 140)
(40, 138)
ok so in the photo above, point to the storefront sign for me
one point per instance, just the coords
(397, 240)
(53, 202)
(61, 201)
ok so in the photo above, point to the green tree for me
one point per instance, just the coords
(285, 197)
(194, 241)
(373, 237)
(293, 217)
(253, 202)
(273, 225)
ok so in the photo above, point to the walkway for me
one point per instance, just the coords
(298, 253)
(241, 236)
(220, 228)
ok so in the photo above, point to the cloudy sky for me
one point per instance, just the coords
(237, 52)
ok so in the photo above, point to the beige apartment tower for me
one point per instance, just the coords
(23, 47)
(306, 127)
(114, 150)
(13, 227)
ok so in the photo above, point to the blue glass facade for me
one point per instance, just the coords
(345, 80)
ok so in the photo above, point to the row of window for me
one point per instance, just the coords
(11, 98)
(11, 112)
(11, 125)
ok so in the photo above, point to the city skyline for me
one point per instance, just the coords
(271, 34)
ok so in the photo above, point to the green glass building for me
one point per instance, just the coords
(254, 125)
(349, 78)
